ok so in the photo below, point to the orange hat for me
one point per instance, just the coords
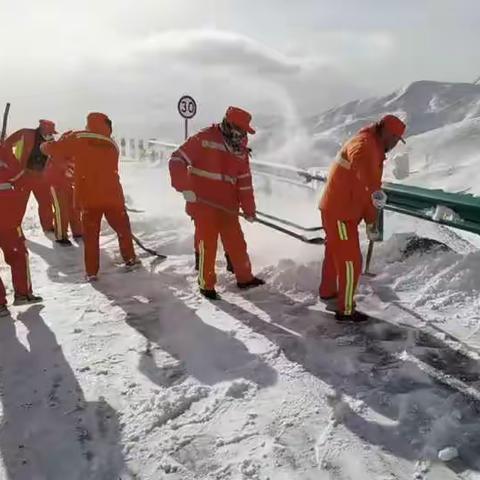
(99, 123)
(47, 126)
(240, 118)
(394, 125)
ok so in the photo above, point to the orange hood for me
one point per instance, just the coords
(99, 123)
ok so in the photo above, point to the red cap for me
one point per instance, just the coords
(240, 118)
(99, 123)
(394, 125)
(47, 126)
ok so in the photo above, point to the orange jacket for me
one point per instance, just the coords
(60, 169)
(355, 175)
(95, 153)
(25, 144)
(204, 165)
(11, 200)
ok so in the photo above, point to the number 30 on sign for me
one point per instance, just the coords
(187, 107)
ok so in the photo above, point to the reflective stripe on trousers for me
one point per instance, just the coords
(57, 214)
(342, 230)
(201, 265)
(349, 289)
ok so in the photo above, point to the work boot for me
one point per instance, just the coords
(210, 294)
(229, 263)
(254, 282)
(330, 302)
(4, 311)
(355, 317)
(133, 263)
(197, 261)
(91, 278)
(327, 299)
(64, 241)
(26, 299)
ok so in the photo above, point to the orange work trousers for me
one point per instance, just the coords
(64, 212)
(342, 264)
(117, 218)
(12, 242)
(210, 223)
(35, 182)
(196, 243)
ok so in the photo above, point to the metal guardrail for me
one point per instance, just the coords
(455, 210)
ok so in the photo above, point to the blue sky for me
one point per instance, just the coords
(134, 58)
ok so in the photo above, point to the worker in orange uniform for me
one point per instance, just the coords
(12, 241)
(98, 191)
(59, 173)
(25, 144)
(353, 193)
(212, 171)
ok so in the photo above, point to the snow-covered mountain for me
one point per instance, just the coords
(425, 106)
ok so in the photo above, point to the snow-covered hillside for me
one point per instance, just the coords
(425, 106)
(446, 158)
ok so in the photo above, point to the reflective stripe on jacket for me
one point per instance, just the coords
(25, 145)
(205, 165)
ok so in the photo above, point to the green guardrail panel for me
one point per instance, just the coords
(461, 225)
(405, 199)
(466, 206)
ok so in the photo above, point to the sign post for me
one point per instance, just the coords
(187, 108)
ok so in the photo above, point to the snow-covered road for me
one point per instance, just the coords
(138, 377)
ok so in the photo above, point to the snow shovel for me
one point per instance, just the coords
(369, 259)
(379, 226)
(134, 210)
(4, 124)
(279, 228)
(7, 185)
(148, 250)
(289, 223)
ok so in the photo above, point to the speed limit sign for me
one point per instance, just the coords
(187, 107)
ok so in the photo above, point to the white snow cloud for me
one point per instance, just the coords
(206, 48)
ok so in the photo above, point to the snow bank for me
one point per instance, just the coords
(445, 158)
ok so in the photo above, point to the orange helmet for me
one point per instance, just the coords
(394, 125)
(239, 118)
(99, 123)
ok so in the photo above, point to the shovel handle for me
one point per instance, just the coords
(369, 257)
(4, 123)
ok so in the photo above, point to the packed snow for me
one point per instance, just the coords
(139, 377)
